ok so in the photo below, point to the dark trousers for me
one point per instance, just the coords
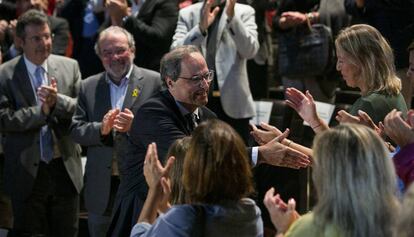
(99, 224)
(53, 206)
(240, 125)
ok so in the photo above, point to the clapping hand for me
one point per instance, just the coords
(282, 215)
(157, 176)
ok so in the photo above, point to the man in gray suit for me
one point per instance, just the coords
(103, 116)
(42, 164)
(226, 32)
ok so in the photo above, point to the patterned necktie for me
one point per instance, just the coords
(46, 140)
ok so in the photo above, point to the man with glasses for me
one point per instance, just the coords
(103, 116)
(163, 118)
(43, 173)
(170, 115)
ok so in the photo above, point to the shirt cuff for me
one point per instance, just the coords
(255, 154)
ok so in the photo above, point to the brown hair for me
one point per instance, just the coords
(178, 149)
(216, 167)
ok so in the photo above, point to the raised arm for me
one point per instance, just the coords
(306, 108)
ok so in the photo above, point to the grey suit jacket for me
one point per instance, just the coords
(237, 42)
(21, 120)
(94, 102)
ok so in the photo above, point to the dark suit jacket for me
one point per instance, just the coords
(153, 29)
(94, 102)
(158, 120)
(21, 120)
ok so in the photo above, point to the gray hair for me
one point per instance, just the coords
(114, 30)
(355, 182)
(31, 17)
(171, 61)
(405, 226)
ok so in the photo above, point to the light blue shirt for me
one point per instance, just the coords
(31, 69)
(118, 92)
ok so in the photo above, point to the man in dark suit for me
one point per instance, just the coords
(161, 119)
(43, 173)
(165, 117)
(152, 28)
(103, 115)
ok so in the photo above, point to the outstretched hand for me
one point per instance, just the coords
(305, 106)
(264, 135)
(277, 154)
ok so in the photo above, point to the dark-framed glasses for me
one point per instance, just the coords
(198, 79)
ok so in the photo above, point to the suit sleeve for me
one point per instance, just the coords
(154, 124)
(184, 34)
(20, 120)
(159, 29)
(83, 130)
(243, 30)
(66, 105)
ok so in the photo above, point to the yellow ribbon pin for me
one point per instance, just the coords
(135, 93)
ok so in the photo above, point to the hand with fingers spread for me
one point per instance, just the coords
(275, 153)
(282, 215)
(208, 15)
(123, 120)
(399, 130)
(157, 179)
(264, 135)
(305, 107)
(108, 121)
(153, 169)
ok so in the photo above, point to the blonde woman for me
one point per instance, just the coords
(355, 184)
(366, 62)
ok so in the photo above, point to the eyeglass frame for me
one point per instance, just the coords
(197, 79)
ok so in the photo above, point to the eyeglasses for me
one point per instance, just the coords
(198, 79)
(38, 38)
(117, 52)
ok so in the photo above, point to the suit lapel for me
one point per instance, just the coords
(182, 121)
(221, 26)
(135, 86)
(103, 97)
(52, 72)
(23, 80)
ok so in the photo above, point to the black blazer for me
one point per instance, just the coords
(153, 29)
(157, 120)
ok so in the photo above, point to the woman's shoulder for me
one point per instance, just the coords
(307, 226)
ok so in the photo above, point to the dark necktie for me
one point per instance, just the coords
(46, 140)
(191, 120)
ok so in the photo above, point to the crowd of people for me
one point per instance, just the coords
(158, 95)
